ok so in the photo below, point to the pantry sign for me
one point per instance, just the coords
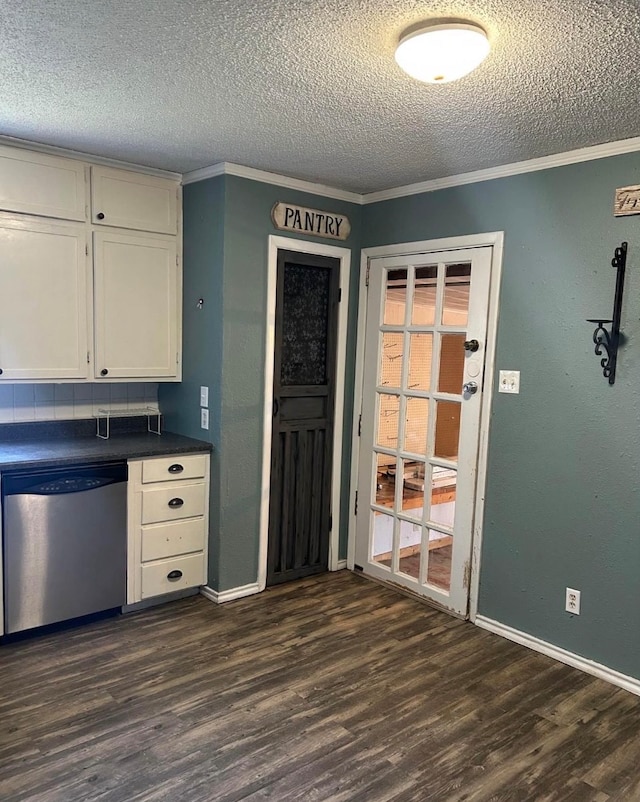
(287, 217)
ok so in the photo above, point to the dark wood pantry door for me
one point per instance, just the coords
(307, 297)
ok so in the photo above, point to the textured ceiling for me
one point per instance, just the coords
(310, 88)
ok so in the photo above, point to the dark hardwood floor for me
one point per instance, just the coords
(330, 688)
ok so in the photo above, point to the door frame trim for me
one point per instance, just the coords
(277, 243)
(495, 240)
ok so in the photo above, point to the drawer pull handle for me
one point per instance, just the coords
(174, 576)
(176, 468)
(175, 503)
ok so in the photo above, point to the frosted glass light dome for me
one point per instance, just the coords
(442, 52)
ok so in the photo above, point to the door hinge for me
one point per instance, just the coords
(360, 426)
(88, 357)
(331, 523)
(86, 250)
(466, 579)
(355, 506)
(177, 261)
(339, 294)
(368, 271)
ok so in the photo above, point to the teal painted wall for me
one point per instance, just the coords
(231, 262)
(203, 262)
(563, 494)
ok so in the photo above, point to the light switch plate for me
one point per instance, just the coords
(204, 418)
(204, 396)
(509, 381)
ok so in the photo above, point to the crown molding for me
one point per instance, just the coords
(53, 150)
(504, 171)
(275, 179)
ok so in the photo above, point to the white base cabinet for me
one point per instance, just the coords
(168, 525)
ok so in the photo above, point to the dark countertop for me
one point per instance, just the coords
(49, 449)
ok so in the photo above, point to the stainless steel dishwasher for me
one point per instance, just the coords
(65, 543)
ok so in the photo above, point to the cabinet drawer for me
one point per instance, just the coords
(171, 575)
(177, 467)
(35, 183)
(172, 503)
(167, 540)
(131, 200)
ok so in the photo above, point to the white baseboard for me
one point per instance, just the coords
(219, 597)
(340, 565)
(562, 655)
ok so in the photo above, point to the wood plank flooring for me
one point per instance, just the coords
(330, 688)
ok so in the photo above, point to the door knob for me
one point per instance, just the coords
(471, 345)
(471, 388)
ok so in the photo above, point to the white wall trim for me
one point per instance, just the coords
(503, 171)
(344, 255)
(221, 596)
(340, 565)
(226, 168)
(495, 240)
(67, 153)
(562, 655)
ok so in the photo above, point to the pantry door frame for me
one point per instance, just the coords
(277, 243)
(495, 240)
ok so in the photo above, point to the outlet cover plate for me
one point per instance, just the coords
(204, 418)
(509, 381)
(204, 396)
(572, 601)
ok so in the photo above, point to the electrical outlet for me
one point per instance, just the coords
(204, 418)
(509, 381)
(572, 601)
(204, 396)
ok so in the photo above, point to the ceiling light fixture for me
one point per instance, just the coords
(438, 52)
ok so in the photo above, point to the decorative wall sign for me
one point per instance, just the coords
(288, 217)
(627, 201)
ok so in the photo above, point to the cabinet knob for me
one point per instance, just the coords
(175, 503)
(173, 576)
(104, 372)
(100, 216)
(1, 371)
(176, 468)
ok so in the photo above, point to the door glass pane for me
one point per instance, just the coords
(382, 543)
(420, 354)
(410, 541)
(455, 309)
(447, 429)
(442, 489)
(413, 489)
(415, 427)
(385, 481)
(391, 359)
(451, 363)
(396, 297)
(443, 496)
(424, 296)
(305, 316)
(388, 419)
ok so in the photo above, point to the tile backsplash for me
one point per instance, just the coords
(35, 402)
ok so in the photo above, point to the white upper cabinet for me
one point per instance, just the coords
(35, 183)
(131, 200)
(136, 294)
(43, 300)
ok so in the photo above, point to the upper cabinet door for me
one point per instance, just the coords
(43, 300)
(136, 306)
(34, 183)
(132, 200)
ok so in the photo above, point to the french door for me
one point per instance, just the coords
(423, 380)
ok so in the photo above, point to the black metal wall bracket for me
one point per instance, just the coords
(609, 340)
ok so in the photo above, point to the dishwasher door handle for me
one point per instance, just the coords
(176, 503)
